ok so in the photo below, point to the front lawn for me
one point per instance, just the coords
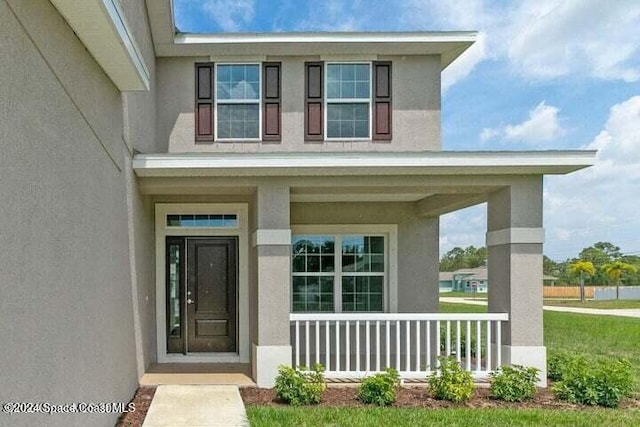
(345, 417)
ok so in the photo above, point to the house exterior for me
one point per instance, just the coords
(257, 199)
(464, 280)
(472, 280)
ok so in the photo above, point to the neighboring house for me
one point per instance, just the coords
(465, 280)
(228, 198)
(472, 280)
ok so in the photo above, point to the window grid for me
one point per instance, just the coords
(202, 220)
(238, 102)
(348, 88)
(368, 291)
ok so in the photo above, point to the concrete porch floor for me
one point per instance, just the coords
(198, 374)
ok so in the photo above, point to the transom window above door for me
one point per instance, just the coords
(338, 273)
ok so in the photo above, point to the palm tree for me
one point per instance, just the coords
(615, 270)
(583, 268)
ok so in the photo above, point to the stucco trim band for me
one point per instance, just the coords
(514, 235)
(271, 237)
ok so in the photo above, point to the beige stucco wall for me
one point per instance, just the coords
(66, 303)
(416, 109)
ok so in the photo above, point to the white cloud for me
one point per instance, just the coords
(463, 228)
(542, 126)
(601, 202)
(555, 38)
(230, 15)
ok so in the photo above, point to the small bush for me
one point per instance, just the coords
(559, 362)
(602, 382)
(451, 382)
(514, 383)
(380, 389)
(299, 387)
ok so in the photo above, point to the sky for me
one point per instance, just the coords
(542, 75)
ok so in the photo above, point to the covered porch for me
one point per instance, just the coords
(365, 297)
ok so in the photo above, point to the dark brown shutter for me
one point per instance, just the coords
(382, 110)
(205, 84)
(271, 101)
(313, 117)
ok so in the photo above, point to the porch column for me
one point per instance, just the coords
(272, 239)
(514, 242)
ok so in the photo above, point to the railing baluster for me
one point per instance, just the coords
(337, 345)
(307, 356)
(458, 355)
(428, 343)
(388, 344)
(467, 346)
(378, 345)
(398, 345)
(498, 344)
(317, 341)
(357, 346)
(439, 343)
(448, 340)
(478, 346)
(488, 363)
(367, 354)
(327, 346)
(297, 344)
(417, 346)
(348, 345)
(407, 356)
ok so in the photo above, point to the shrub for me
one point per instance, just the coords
(299, 386)
(602, 382)
(559, 362)
(450, 381)
(514, 383)
(379, 389)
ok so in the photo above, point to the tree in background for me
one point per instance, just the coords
(615, 270)
(582, 268)
(599, 254)
(469, 257)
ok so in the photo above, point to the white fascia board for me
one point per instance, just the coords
(338, 164)
(102, 28)
(449, 45)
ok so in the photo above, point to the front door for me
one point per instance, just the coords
(201, 294)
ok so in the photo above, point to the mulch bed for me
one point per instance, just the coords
(142, 399)
(417, 397)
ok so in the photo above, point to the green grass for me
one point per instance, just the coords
(346, 417)
(458, 294)
(606, 305)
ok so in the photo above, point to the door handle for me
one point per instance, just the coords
(190, 301)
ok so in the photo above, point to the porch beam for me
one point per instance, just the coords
(438, 204)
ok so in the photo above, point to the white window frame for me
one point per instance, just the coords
(347, 100)
(237, 101)
(390, 274)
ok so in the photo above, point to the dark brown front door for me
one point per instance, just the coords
(209, 322)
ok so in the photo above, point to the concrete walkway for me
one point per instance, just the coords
(196, 406)
(627, 312)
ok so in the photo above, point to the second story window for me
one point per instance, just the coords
(348, 100)
(238, 101)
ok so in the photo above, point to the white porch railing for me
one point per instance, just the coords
(357, 344)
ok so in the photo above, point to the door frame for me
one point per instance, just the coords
(241, 231)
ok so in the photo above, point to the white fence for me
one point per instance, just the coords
(357, 344)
